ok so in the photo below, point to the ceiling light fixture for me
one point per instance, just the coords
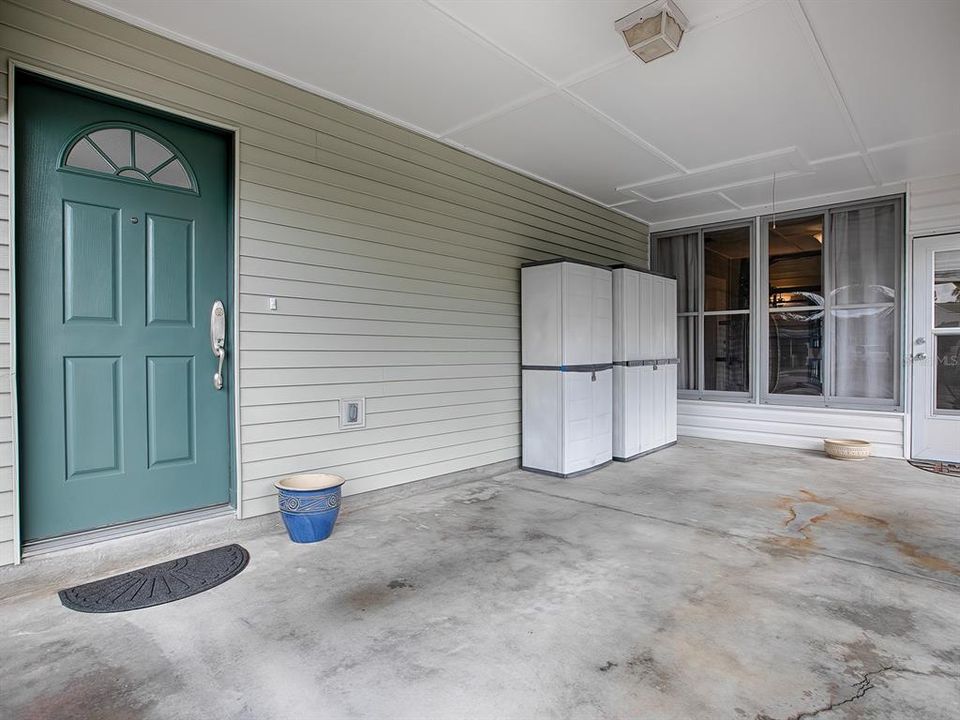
(654, 30)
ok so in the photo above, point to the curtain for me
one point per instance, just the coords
(677, 256)
(864, 256)
(687, 353)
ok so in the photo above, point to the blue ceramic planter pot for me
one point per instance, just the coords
(309, 505)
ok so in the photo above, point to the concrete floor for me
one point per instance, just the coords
(711, 580)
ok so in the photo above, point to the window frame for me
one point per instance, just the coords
(827, 399)
(763, 294)
(84, 133)
(759, 311)
(700, 393)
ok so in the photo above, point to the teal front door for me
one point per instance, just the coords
(122, 249)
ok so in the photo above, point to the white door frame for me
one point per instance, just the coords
(934, 435)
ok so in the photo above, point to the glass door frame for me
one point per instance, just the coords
(923, 390)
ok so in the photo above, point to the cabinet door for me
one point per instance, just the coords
(649, 412)
(626, 417)
(540, 313)
(670, 391)
(602, 387)
(652, 325)
(619, 410)
(602, 318)
(541, 416)
(577, 422)
(645, 319)
(659, 318)
(626, 315)
(578, 310)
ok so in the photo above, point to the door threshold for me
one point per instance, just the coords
(137, 527)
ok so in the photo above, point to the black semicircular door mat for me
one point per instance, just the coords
(158, 584)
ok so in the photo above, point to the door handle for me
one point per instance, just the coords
(218, 331)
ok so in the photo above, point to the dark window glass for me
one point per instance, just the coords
(796, 262)
(795, 346)
(726, 268)
(726, 353)
(948, 372)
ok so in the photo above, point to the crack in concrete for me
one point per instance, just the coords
(860, 689)
(738, 536)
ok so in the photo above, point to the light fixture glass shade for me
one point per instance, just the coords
(654, 30)
(643, 31)
(672, 30)
(658, 47)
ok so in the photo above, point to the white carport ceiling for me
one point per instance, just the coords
(834, 96)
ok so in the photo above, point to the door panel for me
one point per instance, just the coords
(117, 272)
(91, 263)
(170, 410)
(94, 415)
(169, 271)
(935, 349)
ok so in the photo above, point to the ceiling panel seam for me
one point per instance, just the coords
(504, 109)
(726, 197)
(914, 141)
(816, 50)
(188, 41)
(603, 117)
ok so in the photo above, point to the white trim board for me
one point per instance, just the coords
(795, 427)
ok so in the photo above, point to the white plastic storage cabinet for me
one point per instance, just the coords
(567, 371)
(644, 362)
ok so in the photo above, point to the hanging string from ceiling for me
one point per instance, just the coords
(774, 199)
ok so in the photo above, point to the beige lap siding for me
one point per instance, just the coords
(393, 257)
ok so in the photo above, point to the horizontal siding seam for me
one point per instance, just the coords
(450, 228)
(509, 448)
(512, 430)
(506, 269)
(627, 241)
(302, 263)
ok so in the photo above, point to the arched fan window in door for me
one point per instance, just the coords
(130, 153)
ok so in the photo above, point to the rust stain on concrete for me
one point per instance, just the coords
(807, 510)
